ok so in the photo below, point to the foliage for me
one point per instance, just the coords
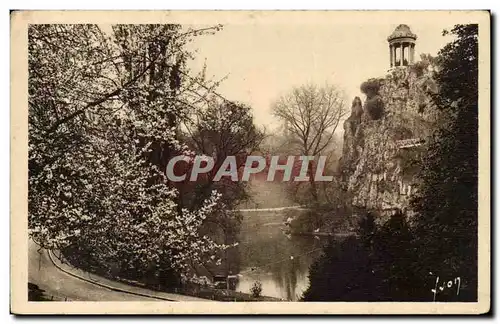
(425, 71)
(401, 132)
(370, 267)
(410, 161)
(104, 112)
(370, 87)
(427, 62)
(343, 272)
(256, 289)
(374, 107)
(396, 262)
(446, 206)
(219, 130)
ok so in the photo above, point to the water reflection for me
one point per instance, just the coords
(267, 255)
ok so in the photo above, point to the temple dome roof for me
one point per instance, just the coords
(402, 31)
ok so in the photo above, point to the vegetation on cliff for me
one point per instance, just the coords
(380, 157)
(434, 258)
(374, 105)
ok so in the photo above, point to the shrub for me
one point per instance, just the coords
(420, 68)
(374, 107)
(370, 87)
(256, 289)
(430, 86)
(375, 265)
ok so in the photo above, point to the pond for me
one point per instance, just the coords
(279, 261)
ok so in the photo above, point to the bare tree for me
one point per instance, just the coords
(311, 115)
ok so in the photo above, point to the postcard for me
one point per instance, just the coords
(250, 162)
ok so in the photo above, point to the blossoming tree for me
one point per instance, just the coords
(105, 107)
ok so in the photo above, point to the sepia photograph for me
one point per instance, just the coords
(250, 162)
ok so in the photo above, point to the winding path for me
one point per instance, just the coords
(64, 282)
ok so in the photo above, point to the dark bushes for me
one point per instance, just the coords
(374, 105)
(370, 87)
(376, 265)
(420, 68)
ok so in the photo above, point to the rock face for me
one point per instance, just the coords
(382, 149)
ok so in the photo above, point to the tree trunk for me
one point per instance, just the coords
(314, 189)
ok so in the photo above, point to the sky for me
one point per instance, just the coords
(264, 61)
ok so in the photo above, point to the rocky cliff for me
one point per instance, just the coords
(384, 139)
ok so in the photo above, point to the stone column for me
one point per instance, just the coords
(407, 56)
(402, 54)
(409, 53)
(396, 49)
(399, 57)
(390, 53)
(412, 53)
(394, 57)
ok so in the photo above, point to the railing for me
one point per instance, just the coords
(410, 142)
(276, 209)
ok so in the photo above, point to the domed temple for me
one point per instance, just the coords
(402, 46)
